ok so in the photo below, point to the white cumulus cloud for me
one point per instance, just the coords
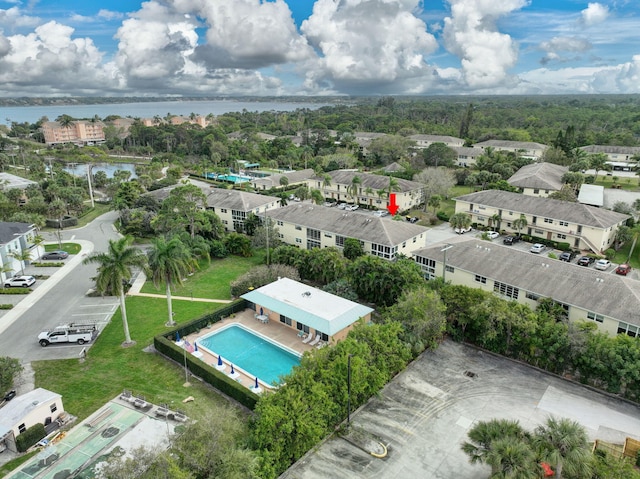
(594, 13)
(471, 33)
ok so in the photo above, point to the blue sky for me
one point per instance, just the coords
(318, 47)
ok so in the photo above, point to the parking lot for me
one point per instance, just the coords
(423, 416)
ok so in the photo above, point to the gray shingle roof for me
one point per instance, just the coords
(575, 213)
(604, 293)
(350, 224)
(293, 177)
(370, 180)
(521, 145)
(223, 198)
(545, 176)
(621, 150)
(11, 231)
(436, 138)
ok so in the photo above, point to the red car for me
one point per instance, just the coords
(623, 269)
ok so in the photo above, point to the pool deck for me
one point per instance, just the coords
(274, 330)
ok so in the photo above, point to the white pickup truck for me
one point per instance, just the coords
(68, 333)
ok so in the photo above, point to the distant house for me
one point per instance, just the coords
(78, 132)
(294, 178)
(525, 149)
(10, 182)
(16, 238)
(424, 141)
(307, 309)
(609, 301)
(619, 157)
(539, 179)
(583, 227)
(363, 139)
(467, 156)
(39, 406)
(310, 226)
(372, 190)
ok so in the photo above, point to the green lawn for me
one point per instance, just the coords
(212, 280)
(98, 210)
(109, 368)
(625, 182)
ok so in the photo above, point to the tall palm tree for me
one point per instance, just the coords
(352, 189)
(598, 162)
(169, 261)
(564, 444)
(460, 221)
(512, 459)
(520, 223)
(115, 269)
(483, 435)
(22, 256)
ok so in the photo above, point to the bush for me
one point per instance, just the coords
(564, 246)
(15, 291)
(442, 216)
(44, 265)
(6, 306)
(31, 436)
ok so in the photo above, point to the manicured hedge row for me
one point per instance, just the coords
(31, 436)
(165, 344)
(6, 306)
(15, 290)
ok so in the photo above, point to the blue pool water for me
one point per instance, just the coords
(252, 353)
(229, 177)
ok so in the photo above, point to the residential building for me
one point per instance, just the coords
(78, 132)
(11, 182)
(372, 191)
(16, 238)
(583, 227)
(308, 226)
(538, 179)
(294, 178)
(467, 156)
(424, 141)
(39, 406)
(307, 309)
(610, 301)
(363, 139)
(524, 149)
(619, 157)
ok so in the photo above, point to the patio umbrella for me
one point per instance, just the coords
(232, 370)
(219, 360)
(195, 346)
(257, 385)
(261, 312)
(177, 336)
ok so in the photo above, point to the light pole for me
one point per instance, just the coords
(349, 391)
(444, 263)
(90, 188)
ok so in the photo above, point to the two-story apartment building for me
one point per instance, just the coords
(16, 238)
(584, 227)
(424, 141)
(293, 178)
(467, 155)
(610, 301)
(619, 157)
(311, 226)
(372, 190)
(525, 149)
(78, 132)
(538, 179)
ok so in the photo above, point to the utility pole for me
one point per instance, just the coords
(444, 263)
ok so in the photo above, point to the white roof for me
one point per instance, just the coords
(313, 307)
(15, 410)
(591, 195)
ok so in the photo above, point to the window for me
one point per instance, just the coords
(302, 327)
(548, 220)
(404, 245)
(223, 210)
(299, 228)
(532, 296)
(340, 241)
(628, 329)
(536, 191)
(561, 236)
(506, 290)
(280, 223)
(285, 320)
(450, 269)
(313, 238)
(328, 235)
(298, 240)
(280, 235)
(428, 267)
(596, 317)
(22, 428)
(480, 279)
(563, 223)
(539, 232)
(53, 407)
(387, 252)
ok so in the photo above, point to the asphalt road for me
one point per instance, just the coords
(62, 298)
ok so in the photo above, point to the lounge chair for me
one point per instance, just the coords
(308, 338)
(315, 341)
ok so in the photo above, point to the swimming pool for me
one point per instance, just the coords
(250, 352)
(229, 177)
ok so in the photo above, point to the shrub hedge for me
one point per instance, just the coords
(31, 436)
(15, 290)
(6, 306)
(165, 345)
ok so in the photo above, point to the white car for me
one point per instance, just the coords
(19, 282)
(342, 206)
(537, 248)
(493, 234)
(602, 264)
(462, 231)
(381, 213)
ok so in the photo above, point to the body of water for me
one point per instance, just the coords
(254, 354)
(32, 114)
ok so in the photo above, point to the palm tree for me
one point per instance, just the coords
(393, 185)
(520, 223)
(460, 221)
(22, 256)
(564, 444)
(494, 221)
(483, 435)
(114, 269)
(169, 261)
(352, 189)
(512, 459)
(598, 162)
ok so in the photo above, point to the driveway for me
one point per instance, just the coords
(423, 416)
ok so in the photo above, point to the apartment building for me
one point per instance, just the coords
(78, 132)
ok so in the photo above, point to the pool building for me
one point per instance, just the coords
(323, 317)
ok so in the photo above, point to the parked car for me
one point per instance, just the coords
(412, 219)
(381, 213)
(55, 255)
(567, 256)
(493, 234)
(509, 240)
(352, 207)
(342, 206)
(585, 260)
(537, 248)
(10, 395)
(462, 231)
(602, 264)
(19, 282)
(623, 269)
